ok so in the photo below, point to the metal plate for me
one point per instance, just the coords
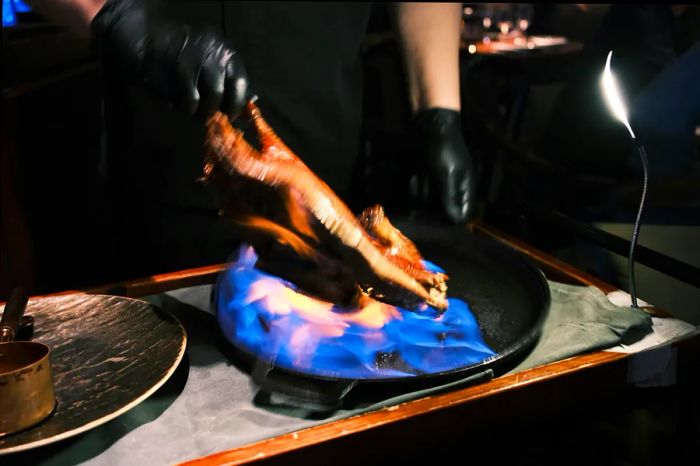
(108, 354)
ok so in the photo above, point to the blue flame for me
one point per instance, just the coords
(10, 8)
(331, 343)
(8, 14)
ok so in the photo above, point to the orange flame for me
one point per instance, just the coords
(281, 234)
(323, 319)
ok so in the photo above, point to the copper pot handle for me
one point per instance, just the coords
(11, 316)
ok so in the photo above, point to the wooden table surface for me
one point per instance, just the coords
(395, 432)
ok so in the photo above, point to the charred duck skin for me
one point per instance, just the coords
(276, 196)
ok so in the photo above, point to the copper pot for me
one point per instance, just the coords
(26, 383)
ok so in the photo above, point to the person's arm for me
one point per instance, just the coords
(195, 71)
(429, 37)
(75, 15)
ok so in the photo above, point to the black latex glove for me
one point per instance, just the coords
(446, 160)
(193, 71)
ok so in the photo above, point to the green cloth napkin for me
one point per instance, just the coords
(582, 319)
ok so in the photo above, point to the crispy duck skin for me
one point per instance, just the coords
(313, 221)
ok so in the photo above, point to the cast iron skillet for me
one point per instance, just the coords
(507, 294)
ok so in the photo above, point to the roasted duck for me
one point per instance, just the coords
(303, 232)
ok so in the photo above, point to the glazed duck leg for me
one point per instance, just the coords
(308, 217)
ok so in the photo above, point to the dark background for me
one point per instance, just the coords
(56, 230)
(56, 226)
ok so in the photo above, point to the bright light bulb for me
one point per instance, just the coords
(613, 97)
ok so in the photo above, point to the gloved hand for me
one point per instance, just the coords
(446, 160)
(195, 72)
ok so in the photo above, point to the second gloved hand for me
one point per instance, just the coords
(450, 167)
(195, 72)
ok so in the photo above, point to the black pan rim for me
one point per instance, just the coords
(526, 340)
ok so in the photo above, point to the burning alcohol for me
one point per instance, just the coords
(271, 319)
